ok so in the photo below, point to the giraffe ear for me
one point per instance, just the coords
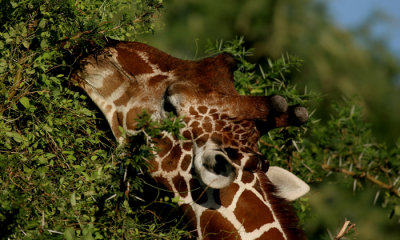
(289, 186)
(213, 168)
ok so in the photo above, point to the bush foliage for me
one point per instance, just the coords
(63, 176)
(60, 175)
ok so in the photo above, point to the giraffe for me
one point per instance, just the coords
(226, 189)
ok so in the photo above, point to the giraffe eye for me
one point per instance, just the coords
(167, 104)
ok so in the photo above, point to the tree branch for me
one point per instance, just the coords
(365, 175)
(347, 226)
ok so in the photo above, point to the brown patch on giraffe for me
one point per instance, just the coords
(250, 219)
(187, 134)
(114, 125)
(156, 79)
(215, 227)
(193, 112)
(196, 130)
(207, 126)
(153, 166)
(212, 111)
(236, 127)
(110, 84)
(215, 116)
(164, 144)
(240, 131)
(247, 177)
(227, 128)
(226, 141)
(227, 194)
(123, 100)
(224, 116)
(244, 124)
(131, 118)
(132, 62)
(246, 135)
(180, 185)
(207, 119)
(235, 143)
(218, 126)
(202, 109)
(230, 135)
(164, 182)
(186, 119)
(202, 140)
(187, 146)
(186, 162)
(163, 61)
(273, 233)
(170, 162)
(216, 138)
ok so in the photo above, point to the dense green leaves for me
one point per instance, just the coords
(62, 176)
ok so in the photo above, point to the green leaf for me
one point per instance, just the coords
(25, 102)
(87, 232)
(26, 44)
(14, 4)
(397, 210)
(69, 234)
(42, 23)
(16, 136)
(73, 199)
(44, 44)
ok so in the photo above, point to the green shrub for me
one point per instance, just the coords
(62, 174)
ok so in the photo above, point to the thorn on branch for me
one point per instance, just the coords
(347, 226)
(389, 187)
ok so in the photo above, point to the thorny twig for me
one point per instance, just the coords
(347, 226)
(365, 175)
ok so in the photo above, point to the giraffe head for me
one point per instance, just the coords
(226, 187)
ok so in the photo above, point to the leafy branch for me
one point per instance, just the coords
(364, 175)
